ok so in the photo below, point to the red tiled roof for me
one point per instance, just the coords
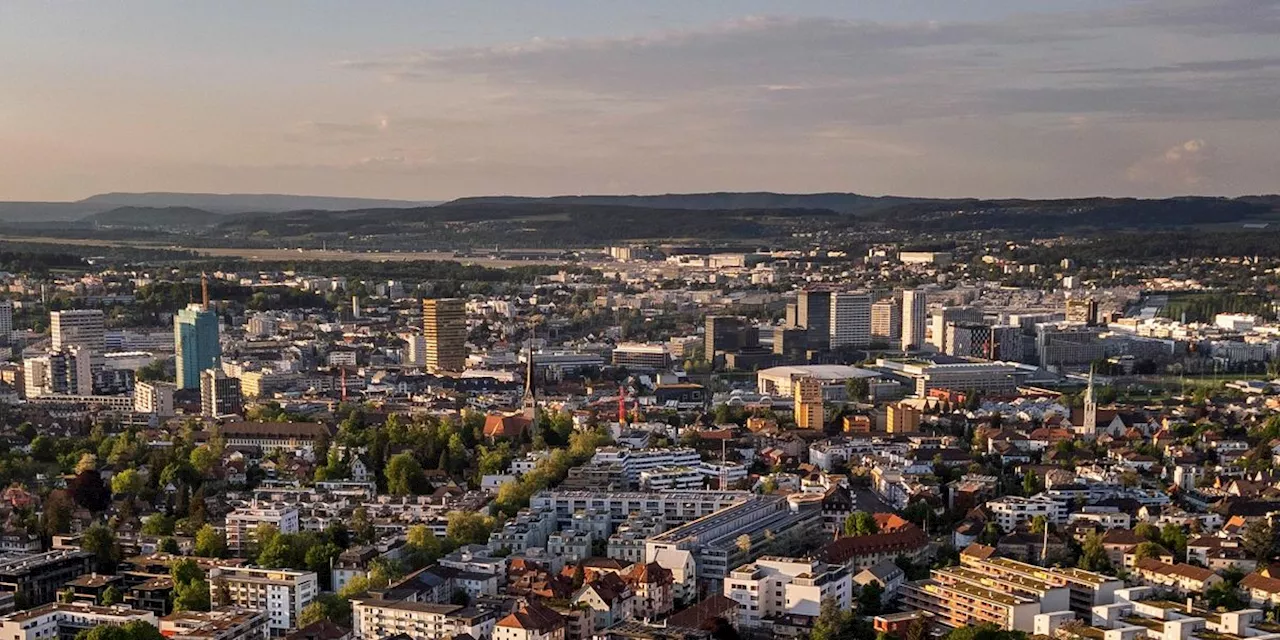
(534, 617)
(905, 539)
(498, 426)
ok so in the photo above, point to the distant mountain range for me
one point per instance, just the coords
(218, 203)
(576, 221)
(838, 202)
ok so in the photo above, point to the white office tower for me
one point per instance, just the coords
(81, 327)
(915, 316)
(851, 319)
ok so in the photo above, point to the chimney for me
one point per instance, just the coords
(204, 291)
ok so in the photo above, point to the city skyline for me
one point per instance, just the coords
(435, 100)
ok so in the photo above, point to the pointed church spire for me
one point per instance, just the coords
(530, 404)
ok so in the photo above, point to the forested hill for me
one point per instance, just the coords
(839, 202)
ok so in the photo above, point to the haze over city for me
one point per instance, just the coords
(434, 100)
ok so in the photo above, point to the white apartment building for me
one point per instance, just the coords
(570, 545)
(669, 478)
(915, 316)
(375, 619)
(242, 524)
(675, 507)
(79, 327)
(1012, 511)
(851, 319)
(67, 619)
(773, 587)
(282, 593)
(154, 398)
(223, 623)
(636, 461)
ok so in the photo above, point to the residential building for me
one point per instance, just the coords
(1012, 512)
(222, 623)
(902, 418)
(1181, 578)
(78, 327)
(219, 394)
(774, 587)
(36, 579)
(64, 621)
(243, 524)
(530, 621)
(282, 593)
(154, 398)
(275, 436)
(886, 320)
(851, 319)
(674, 507)
(375, 619)
(1087, 589)
(809, 409)
(915, 313)
(636, 461)
(444, 327)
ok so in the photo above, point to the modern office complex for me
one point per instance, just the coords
(195, 344)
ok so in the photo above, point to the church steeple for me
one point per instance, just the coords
(1090, 425)
(530, 404)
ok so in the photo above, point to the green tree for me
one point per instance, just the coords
(313, 613)
(1147, 550)
(192, 596)
(361, 526)
(465, 527)
(1147, 531)
(101, 542)
(1174, 539)
(870, 599)
(833, 623)
(112, 595)
(210, 543)
(1031, 484)
(860, 523)
(1224, 595)
(1039, 524)
(404, 475)
(1259, 540)
(127, 483)
(424, 547)
(185, 571)
(1093, 554)
(156, 524)
(203, 459)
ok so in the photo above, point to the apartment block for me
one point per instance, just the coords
(222, 623)
(774, 587)
(282, 593)
(1087, 589)
(242, 524)
(37, 579)
(65, 621)
(375, 619)
(1012, 512)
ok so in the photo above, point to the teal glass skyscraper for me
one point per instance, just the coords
(195, 341)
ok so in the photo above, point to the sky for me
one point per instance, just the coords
(437, 99)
